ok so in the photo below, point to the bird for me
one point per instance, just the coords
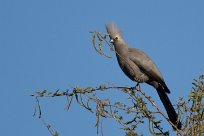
(139, 67)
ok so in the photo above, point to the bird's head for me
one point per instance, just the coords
(114, 33)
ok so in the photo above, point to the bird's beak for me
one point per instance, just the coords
(112, 41)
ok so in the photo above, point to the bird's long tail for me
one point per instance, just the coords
(173, 117)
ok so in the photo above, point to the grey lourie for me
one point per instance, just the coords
(140, 68)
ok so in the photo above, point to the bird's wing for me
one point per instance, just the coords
(145, 64)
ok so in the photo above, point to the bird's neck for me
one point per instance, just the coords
(121, 48)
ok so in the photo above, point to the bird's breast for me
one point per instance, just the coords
(131, 70)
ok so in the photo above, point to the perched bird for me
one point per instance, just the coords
(140, 68)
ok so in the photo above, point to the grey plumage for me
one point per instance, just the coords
(140, 68)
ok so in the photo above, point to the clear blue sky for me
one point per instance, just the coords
(45, 44)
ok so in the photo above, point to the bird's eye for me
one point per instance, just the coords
(116, 38)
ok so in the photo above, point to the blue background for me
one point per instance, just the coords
(46, 44)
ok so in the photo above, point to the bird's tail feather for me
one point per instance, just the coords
(173, 117)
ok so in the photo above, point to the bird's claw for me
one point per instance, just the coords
(137, 87)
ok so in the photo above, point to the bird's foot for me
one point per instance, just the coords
(137, 87)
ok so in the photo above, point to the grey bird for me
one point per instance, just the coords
(140, 68)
